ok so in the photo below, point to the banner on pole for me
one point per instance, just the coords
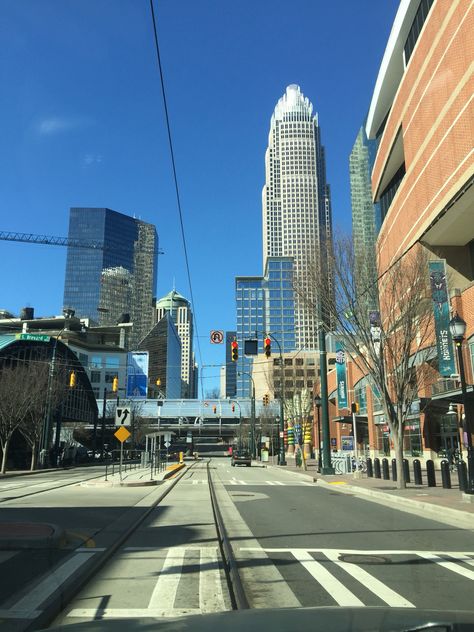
(341, 376)
(439, 293)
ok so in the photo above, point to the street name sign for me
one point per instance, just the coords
(122, 434)
(33, 337)
(123, 416)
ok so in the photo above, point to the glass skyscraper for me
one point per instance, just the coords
(296, 202)
(104, 283)
(365, 215)
(264, 305)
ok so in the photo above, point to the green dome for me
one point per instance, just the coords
(171, 300)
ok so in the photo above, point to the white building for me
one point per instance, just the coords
(181, 313)
(296, 199)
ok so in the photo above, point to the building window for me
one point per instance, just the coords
(95, 377)
(415, 30)
(96, 362)
(386, 198)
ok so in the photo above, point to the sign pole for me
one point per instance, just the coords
(121, 459)
(356, 453)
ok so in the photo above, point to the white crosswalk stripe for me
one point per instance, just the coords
(163, 598)
(451, 560)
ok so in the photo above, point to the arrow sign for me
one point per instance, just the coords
(123, 416)
(167, 444)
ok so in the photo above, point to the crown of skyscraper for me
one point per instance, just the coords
(292, 101)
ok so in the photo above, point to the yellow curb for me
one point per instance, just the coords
(337, 483)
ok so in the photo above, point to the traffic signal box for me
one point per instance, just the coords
(355, 408)
(115, 384)
(72, 379)
(267, 343)
(233, 408)
(266, 399)
(234, 346)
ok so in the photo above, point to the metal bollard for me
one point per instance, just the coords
(445, 475)
(406, 471)
(377, 468)
(394, 469)
(417, 472)
(385, 474)
(430, 473)
(370, 470)
(462, 476)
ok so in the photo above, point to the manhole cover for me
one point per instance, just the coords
(364, 559)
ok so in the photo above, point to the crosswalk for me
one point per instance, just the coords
(324, 566)
(250, 483)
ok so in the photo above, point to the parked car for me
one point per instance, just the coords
(241, 457)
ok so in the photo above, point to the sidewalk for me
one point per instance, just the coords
(134, 477)
(446, 505)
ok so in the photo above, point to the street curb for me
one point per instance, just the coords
(446, 515)
(299, 474)
(56, 603)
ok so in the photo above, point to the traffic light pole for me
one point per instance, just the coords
(327, 466)
(281, 442)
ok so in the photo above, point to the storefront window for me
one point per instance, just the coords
(412, 445)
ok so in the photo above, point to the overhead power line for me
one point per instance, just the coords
(175, 178)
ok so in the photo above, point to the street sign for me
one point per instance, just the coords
(123, 416)
(282, 434)
(167, 444)
(217, 337)
(122, 434)
(33, 337)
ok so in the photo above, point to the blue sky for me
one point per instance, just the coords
(82, 124)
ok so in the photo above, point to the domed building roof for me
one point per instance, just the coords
(171, 300)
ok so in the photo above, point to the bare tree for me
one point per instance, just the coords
(385, 325)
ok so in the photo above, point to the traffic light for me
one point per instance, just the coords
(234, 346)
(158, 382)
(267, 343)
(115, 384)
(355, 408)
(72, 379)
(233, 408)
(214, 408)
(266, 399)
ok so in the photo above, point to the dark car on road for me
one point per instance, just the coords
(241, 457)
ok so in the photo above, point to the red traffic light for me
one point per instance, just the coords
(234, 346)
(267, 343)
(233, 408)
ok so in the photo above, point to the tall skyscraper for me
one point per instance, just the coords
(296, 202)
(264, 305)
(102, 284)
(180, 310)
(365, 214)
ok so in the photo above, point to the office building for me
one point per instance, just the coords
(365, 214)
(296, 202)
(116, 278)
(164, 351)
(180, 310)
(264, 305)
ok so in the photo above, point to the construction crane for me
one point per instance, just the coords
(49, 240)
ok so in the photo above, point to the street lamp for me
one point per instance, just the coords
(234, 401)
(317, 403)
(281, 442)
(457, 327)
(252, 434)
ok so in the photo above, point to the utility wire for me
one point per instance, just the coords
(175, 178)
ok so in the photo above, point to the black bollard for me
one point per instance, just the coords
(417, 472)
(406, 471)
(394, 469)
(462, 476)
(430, 473)
(445, 475)
(377, 468)
(385, 474)
(370, 470)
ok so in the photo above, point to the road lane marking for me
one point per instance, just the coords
(450, 566)
(211, 598)
(463, 554)
(167, 584)
(33, 600)
(342, 595)
(269, 482)
(131, 613)
(385, 593)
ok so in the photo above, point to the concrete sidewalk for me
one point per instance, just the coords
(446, 505)
(134, 477)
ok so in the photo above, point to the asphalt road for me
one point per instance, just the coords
(336, 549)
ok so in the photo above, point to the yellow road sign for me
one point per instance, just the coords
(122, 434)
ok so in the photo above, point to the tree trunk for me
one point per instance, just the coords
(5, 455)
(33, 457)
(398, 445)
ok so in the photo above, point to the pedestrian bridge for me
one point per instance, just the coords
(196, 411)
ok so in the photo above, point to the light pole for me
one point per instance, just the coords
(234, 401)
(457, 327)
(326, 467)
(281, 442)
(317, 403)
(252, 414)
